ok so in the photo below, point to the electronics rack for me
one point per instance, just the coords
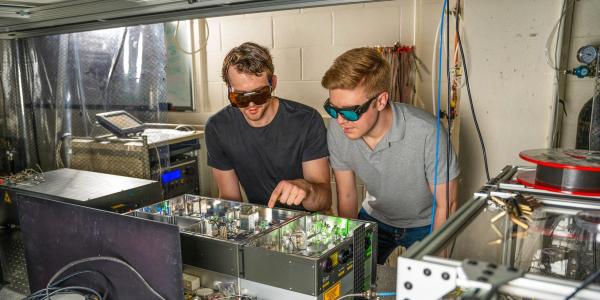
(270, 253)
(166, 155)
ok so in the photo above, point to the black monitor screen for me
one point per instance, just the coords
(57, 233)
(120, 122)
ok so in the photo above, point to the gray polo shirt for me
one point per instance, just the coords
(398, 171)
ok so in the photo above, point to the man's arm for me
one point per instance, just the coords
(440, 199)
(228, 183)
(313, 191)
(346, 193)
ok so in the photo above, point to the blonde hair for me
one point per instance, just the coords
(364, 67)
(249, 58)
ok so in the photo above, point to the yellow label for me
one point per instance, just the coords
(334, 259)
(333, 293)
(116, 206)
(7, 198)
(341, 273)
(326, 284)
(349, 267)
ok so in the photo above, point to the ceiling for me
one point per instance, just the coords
(20, 19)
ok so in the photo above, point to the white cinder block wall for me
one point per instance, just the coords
(504, 43)
(304, 43)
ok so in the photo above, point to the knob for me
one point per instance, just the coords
(344, 256)
(327, 265)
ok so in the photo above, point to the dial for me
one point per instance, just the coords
(587, 54)
(345, 256)
(327, 265)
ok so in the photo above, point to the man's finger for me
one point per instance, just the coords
(286, 189)
(293, 195)
(299, 197)
(275, 195)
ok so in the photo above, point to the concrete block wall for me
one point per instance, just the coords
(304, 43)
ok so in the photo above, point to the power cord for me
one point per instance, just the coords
(369, 295)
(176, 41)
(464, 63)
(103, 258)
(55, 290)
(70, 290)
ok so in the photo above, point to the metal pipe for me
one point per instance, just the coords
(435, 241)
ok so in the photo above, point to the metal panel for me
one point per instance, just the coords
(267, 292)
(294, 273)
(103, 191)
(101, 15)
(211, 254)
(130, 159)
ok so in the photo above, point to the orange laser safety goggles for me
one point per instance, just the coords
(243, 99)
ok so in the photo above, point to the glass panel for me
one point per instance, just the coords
(179, 66)
(551, 241)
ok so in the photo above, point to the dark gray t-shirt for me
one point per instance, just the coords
(398, 171)
(263, 156)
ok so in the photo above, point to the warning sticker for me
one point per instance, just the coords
(333, 293)
(7, 198)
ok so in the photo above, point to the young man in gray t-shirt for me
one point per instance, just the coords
(391, 147)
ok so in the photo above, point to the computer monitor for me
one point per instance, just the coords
(120, 123)
(57, 233)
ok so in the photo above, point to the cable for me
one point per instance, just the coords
(438, 122)
(104, 258)
(584, 284)
(43, 293)
(556, 130)
(369, 295)
(229, 297)
(351, 295)
(199, 48)
(464, 63)
(433, 63)
(84, 272)
(552, 64)
(74, 288)
(160, 170)
(448, 115)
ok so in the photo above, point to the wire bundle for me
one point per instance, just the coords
(52, 289)
(403, 63)
(28, 175)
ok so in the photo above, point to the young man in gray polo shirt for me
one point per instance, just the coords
(391, 147)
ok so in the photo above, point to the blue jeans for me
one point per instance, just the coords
(389, 237)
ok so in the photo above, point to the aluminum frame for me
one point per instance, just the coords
(419, 257)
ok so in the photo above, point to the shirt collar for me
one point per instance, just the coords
(398, 123)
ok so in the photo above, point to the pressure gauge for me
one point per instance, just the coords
(587, 54)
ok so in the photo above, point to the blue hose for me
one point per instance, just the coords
(437, 129)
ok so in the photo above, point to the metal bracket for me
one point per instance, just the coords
(433, 278)
(424, 280)
(485, 278)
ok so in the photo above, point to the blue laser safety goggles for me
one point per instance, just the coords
(351, 113)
